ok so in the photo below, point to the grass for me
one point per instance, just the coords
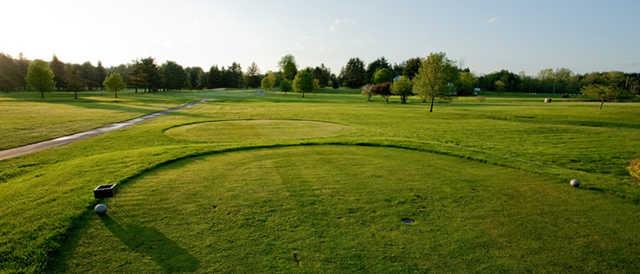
(28, 119)
(634, 168)
(485, 179)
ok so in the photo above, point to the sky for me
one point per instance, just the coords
(486, 36)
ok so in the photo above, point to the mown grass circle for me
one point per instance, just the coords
(255, 130)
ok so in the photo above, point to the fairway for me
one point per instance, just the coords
(278, 183)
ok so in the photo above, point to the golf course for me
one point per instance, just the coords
(247, 180)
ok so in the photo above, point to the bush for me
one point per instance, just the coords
(285, 85)
(382, 89)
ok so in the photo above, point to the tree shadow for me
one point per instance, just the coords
(151, 242)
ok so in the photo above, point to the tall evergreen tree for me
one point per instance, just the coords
(253, 77)
(215, 78)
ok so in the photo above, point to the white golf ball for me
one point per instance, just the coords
(100, 208)
(574, 183)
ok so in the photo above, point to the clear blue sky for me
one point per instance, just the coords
(484, 35)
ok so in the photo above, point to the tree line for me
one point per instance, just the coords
(376, 78)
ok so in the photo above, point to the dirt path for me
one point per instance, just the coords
(35, 147)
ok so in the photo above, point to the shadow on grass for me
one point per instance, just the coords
(151, 242)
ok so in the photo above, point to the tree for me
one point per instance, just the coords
(373, 67)
(195, 78)
(214, 79)
(323, 75)
(354, 75)
(150, 74)
(466, 83)
(233, 76)
(88, 75)
(58, 73)
(40, 77)
(72, 79)
(288, 67)
(602, 93)
(285, 86)
(335, 82)
(172, 75)
(253, 76)
(510, 80)
(435, 74)
(12, 76)
(114, 82)
(100, 74)
(382, 89)
(383, 75)
(402, 87)
(269, 81)
(303, 82)
(411, 67)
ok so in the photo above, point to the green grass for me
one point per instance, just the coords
(486, 180)
(254, 130)
(28, 119)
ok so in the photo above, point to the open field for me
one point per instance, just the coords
(280, 183)
(27, 119)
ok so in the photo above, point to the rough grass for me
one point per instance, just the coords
(44, 194)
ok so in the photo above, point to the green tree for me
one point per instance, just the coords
(214, 79)
(72, 79)
(403, 88)
(373, 67)
(172, 75)
(114, 83)
(58, 73)
(195, 78)
(354, 75)
(383, 75)
(11, 75)
(100, 74)
(269, 81)
(335, 82)
(303, 82)
(602, 93)
(40, 77)
(145, 74)
(88, 75)
(323, 75)
(253, 78)
(288, 67)
(466, 83)
(285, 85)
(411, 67)
(435, 74)
(233, 76)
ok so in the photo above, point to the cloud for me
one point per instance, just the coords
(339, 22)
(492, 20)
